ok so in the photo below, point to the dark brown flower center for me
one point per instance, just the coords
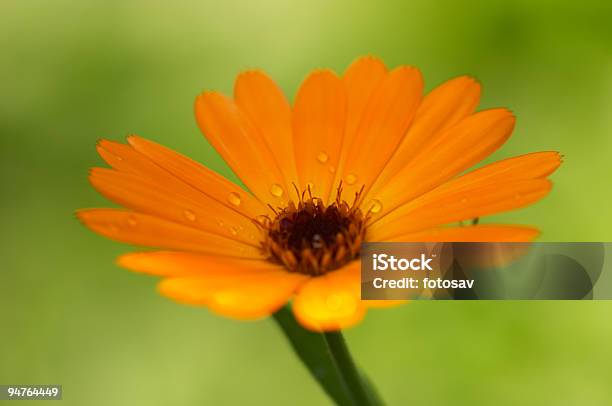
(312, 237)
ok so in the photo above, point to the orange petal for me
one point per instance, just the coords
(176, 263)
(332, 301)
(383, 125)
(529, 166)
(241, 145)
(199, 177)
(459, 204)
(319, 120)
(266, 106)
(441, 109)
(477, 233)
(459, 148)
(180, 205)
(235, 295)
(149, 231)
(361, 81)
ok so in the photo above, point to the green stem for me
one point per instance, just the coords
(329, 362)
(348, 371)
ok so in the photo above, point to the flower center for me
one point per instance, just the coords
(313, 238)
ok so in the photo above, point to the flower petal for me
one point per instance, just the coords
(319, 119)
(150, 231)
(361, 80)
(459, 148)
(476, 233)
(199, 177)
(266, 106)
(529, 166)
(332, 301)
(241, 145)
(441, 109)
(457, 204)
(240, 296)
(178, 204)
(382, 127)
(191, 264)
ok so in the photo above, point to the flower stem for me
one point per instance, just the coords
(329, 362)
(355, 385)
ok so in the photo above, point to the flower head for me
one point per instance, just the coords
(361, 157)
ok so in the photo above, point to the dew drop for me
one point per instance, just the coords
(118, 158)
(334, 302)
(220, 222)
(322, 157)
(233, 230)
(317, 241)
(234, 198)
(332, 169)
(131, 220)
(189, 215)
(276, 190)
(351, 179)
(375, 206)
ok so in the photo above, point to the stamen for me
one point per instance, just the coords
(314, 238)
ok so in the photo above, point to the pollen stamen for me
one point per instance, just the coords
(311, 237)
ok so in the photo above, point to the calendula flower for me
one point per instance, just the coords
(359, 157)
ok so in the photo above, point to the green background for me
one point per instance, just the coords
(72, 72)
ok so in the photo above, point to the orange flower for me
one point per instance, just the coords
(362, 157)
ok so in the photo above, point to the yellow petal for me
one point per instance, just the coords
(235, 295)
(332, 301)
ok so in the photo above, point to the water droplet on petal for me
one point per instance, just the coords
(375, 206)
(131, 220)
(118, 158)
(233, 230)
(332, 169)
(189, 215)
(351, 179)
(322, 157)
(220, 222)
(276, 190)
(334, 302)
(234, 198)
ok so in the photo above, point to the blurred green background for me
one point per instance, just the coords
(72, 72)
